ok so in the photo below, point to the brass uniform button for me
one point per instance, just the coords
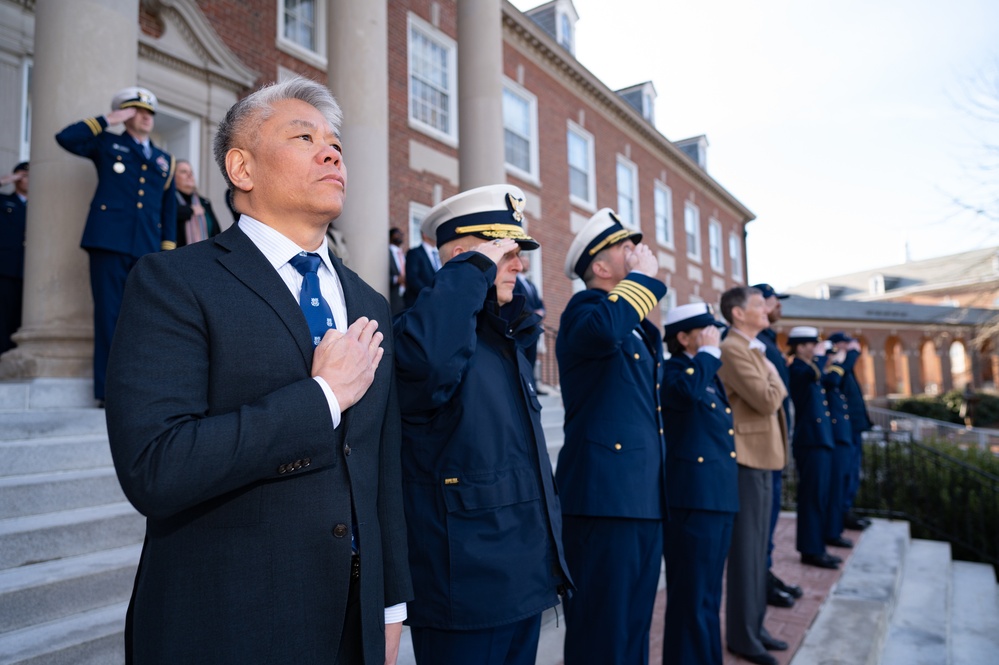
(731, 432)
(728, 410)
(712, 405)
(637, 356)
(139, 204)
(690, 371)
(732, 454)
(700, 459)
(141, 193)
(617, 446)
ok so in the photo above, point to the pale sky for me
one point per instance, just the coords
(846, 126)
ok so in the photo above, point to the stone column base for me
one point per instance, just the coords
(64, 352)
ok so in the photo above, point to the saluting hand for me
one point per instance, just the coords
(120, 115)
(496, 249)
(709, 336)
(347, 361)
(642, 260)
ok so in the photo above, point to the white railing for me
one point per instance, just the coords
(922, 429)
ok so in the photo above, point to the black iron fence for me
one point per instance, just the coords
(941, 496)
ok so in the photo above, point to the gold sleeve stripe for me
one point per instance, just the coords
(94, 126)
(836, 368)
(639, 291)
(173, 166)
(642, 312)
(168, 244)
(636, 300)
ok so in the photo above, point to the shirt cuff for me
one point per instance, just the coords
(396, 613)
(331, 399)
(711, 350)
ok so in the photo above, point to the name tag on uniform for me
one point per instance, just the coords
(710, 389)
(120, 148)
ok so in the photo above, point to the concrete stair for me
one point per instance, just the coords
(904, 601)
(69, 541)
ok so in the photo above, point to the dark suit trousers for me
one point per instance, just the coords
(512, 644)
(746, 585)
(11, 290)
(697, 543)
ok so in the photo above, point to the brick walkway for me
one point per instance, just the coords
(789, 624)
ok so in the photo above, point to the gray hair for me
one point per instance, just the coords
(737, 297)
(249, 113)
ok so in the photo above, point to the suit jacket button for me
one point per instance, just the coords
(282, 469)
(340, 530)
(308, 461)
(298, 464)
(346, 449)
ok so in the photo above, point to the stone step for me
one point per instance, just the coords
(46, 393)
(52, 590)
(27, 456)
(87, 638)
(39, 538)
(35, 424)
(975, 620)
(919, 627)
(853, 623)
(39, 493)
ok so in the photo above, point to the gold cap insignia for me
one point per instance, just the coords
(516, 206)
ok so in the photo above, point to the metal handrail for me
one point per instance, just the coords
(928, 429)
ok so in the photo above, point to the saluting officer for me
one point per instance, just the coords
(702, 485)
(812, 445)
(483, 517)
(134, 209)
(842, 452)
(611, 467)
(860, 422)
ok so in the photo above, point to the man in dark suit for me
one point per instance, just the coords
(611, 469)
(13, 215)
(779, 592)
(133, 212)
(397, 271)
(257, 431)
(702, 485)
(422, 262)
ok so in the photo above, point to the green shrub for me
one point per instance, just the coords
(928, 407)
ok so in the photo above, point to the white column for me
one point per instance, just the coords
(84, 52)
(358, 75)
(480, 93)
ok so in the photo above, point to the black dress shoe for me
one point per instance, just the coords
(760, 659)
(839, 542)
(820, 560)
(778, 598)
(771, 643)
(792, 590)
(855, 523)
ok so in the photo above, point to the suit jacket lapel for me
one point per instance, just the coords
(249, 266)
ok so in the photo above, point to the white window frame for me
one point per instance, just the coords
(317, 57)
(735, 257)
(623, 161)
(667, 303)
(664, 214)
(417, 213)
(715, 249)
(519, 91)
(691, 212)
(415, 23)
(24, 147)
(589, 203)
(566, 41)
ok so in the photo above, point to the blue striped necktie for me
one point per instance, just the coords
(317, 311)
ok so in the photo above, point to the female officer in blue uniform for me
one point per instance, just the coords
(702, 485)
(842, 453)
(483, 517)
(812, 446)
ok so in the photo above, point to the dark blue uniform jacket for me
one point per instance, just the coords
(839, 410)
(701, 468)
(812, 423)
(13, 213)
(481, 508)
(859, 420)
(612, 463)
(134, 210)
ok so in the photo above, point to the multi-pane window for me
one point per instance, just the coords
(664, 214)
(520, 112)
(302, 30)
(432, 80)
(735, 256)
(565, 32)
(715, 245)
(627, 192)
(692, 227)
(581, 186)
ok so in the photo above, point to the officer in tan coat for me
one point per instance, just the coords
(756, 392)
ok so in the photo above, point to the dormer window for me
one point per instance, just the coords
(876, 285)
(558, 19)
(648, 106)
(566, 32)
